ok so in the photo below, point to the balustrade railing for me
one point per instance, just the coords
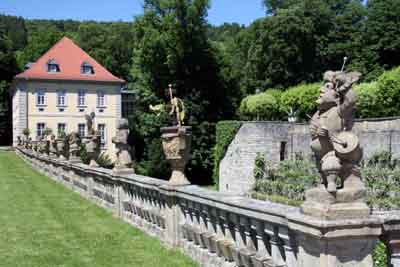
(213, 228)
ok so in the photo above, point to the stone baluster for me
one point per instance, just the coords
(247, 252)
(289, 245)
(391, 238)
(263, 256)
(226, 240)
(276, 243)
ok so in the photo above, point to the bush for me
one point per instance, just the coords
(288, 179)
(389, 93)
(263, 106)
(104, 161)
(367, 105)
(302, 99)
(225, 132)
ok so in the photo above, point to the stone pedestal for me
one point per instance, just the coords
(344, 243)
(344, 204)
(176, 143)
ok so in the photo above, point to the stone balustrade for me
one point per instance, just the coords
(218, 229)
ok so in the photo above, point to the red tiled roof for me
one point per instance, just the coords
(69, 58)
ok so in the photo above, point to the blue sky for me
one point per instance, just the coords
(240, 11)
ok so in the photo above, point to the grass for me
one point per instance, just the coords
(44, 224)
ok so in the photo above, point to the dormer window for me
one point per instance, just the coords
(86, 68)
(52, 66)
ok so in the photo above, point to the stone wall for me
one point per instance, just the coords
(282, 140)
(221, 230)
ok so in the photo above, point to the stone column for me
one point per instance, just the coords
(344, 243)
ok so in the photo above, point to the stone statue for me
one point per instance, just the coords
(43, 145)
(93, 149)
(53, 146)
(123, 164)
(337, 151)
(19, 141)
(92, 141)
(61, 144)
(73, 142)
(89, 123)
(177, 108)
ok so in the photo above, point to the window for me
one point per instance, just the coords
(40, 97)
(81, 129)
(81, 97)
(61, 128)
(86, 68)
(61, 98)
(52, 66)
(100, 99)
(40, 129)
(101, 129)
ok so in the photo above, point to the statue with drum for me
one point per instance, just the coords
(337, 151)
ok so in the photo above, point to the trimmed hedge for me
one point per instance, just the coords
(302, 99)
(367, 104)
(376, 99)
(225, 132)
(389, 93)
(263, 106)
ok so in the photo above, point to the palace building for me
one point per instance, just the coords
(60, 88)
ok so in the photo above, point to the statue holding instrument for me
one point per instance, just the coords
(337, 151)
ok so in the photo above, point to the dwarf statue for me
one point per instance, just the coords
(124, 159)
(73, 142)
(53, 146)
(336, 149)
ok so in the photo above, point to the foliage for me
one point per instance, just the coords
(263, 106)
(379, 255)
(62, 224)
(83, 154)
(47, 131)
(302, 99)
(367, 104)
(290, 180)
(26, 132)
(259, 167)
(225, 132)
(389, 93)
(104, 161)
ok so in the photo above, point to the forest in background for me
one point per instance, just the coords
(212, 67)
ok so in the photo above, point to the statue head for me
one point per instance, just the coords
(335, 89)
(122, 124)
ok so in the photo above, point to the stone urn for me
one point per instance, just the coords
(176, 142)
(61, 148)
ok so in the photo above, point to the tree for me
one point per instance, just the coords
(172, 47)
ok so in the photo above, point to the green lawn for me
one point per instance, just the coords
(44, 224)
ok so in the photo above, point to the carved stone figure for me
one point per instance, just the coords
(53, 146)
(176, 143)
(43, 145)
(89, 123)
(19, 141)
(337, 152)
(93, 148)
(28, 143)
(73, 142)
(123, 164)
(61, 148)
